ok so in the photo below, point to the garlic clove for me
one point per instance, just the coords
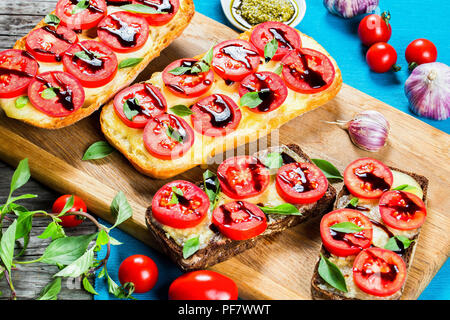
(350, 8)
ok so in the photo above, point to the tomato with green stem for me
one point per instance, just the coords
(382, 57)
(140, 271)
(375, 28)
(69, 220)
(420, 51)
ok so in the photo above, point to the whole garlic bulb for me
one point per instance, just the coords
(428, 90)
(350, 8)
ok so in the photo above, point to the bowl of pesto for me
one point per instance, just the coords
(244, 14)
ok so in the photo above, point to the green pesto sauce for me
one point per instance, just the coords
(259, 11)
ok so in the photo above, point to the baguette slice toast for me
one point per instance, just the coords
(252, 126)
(218, 248)
(320, 290)
(159, 38)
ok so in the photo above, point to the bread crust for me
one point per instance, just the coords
(218, 251)
(119, 136)
(318, 293)
(124, 76)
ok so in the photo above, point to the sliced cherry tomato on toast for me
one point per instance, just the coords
(168, 137)
(48, 44)
(144, 102)
(187, 84)
(67, 94)
(271, 88)
(239, 220)
(379, 272)
(301, 183)
(243, 177)
(368, 178)
(69, 220)
(169, 7)
(78, 17)
(139, 270)
(345, 244)
(216, 115)
(307, 71)
(402, 210)
(180, 204)
(203, 285)
(235, 59)
(17, 70)
(91, 62)
(123, 31)
(287, 37)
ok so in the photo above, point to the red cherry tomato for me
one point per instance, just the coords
(402, 210)
(379, 272)
(69, 94)
(80, 19)
(123, 31)
(69, 221)
(203, 285)
(243, 177)
(144, 98)
(17, 70)
(49, 45)
(301, 183)
(235, 59)
(180, 204)
(168, 137)
(381, 57)
(345, 244)
(374, 28)
(287, 37)
(95, 68)
(169, 7)
(368, 178)
(307, 71)
(216, 115)
(239, 220)
(188, 84)
(421, 51)
(139, 270)
(272, 90)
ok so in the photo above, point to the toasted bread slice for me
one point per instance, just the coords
(252, 126)
(320, 290)
(215, 247)
(159, 38)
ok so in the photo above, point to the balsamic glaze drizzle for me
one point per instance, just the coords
(228, 217)
(313, 78)
(280, 36)
(64, 93)
(239, 53)
(163, 6)
(90, 7)
(219, 119)
(125, 34)
(376, 182)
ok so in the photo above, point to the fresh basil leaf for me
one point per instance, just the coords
(101, 274)
(21, 175)
(88, 286)
(24, 224)
(54, 231)
(190, 247)
(140, 8)
(102, 238)
(52, 20)
(130, 62)
(354, 202)
(85, 57)
(251, 100)
(69, 205)
(405, 187)
(51, 290)
(346, 227)
(174, 134)
(212, 186)
(49, 93)
(393, 245)
(285, 209)
(130, 114)
(329, 170)
(67, 250)
(114, 242)
(23, 196)
(331, 274)
(274, 160)
(117, 291)
(270, 49)
(279, 69)
(7, 246)
(121, 209)
(205, 63)
(98, 150)
(79, 266)
(181, 110)
(21, 102)
(178, 71)
(81, 5)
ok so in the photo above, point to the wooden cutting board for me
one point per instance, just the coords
(281, 266)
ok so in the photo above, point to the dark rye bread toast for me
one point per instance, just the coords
(319, 293)
(220, 248)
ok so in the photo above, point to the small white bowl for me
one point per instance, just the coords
(229, 8)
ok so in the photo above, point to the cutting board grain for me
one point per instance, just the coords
(281, 266)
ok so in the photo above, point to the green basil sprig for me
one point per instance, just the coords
(181, 110)
(141, 8)
(80, 6)
(270, 49)
(284, 209)
(21, 102)
(354, 202)
(212, 187)
(49, 93)
(251, 100)
(191, 246)
(98, 150)
(405, 187)
(331, 274)
(346, 227)
(200, 66)
(130, 114)
(130, 62)
(328, 169)
(274, 160)
(174, 134)
(279, 69)
(52, 20)
(175, 191)
(393, 245)
(50, 292)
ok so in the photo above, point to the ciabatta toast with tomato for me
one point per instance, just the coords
(237, 92)
(249, 198)
(82, 54)
(370, 238)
